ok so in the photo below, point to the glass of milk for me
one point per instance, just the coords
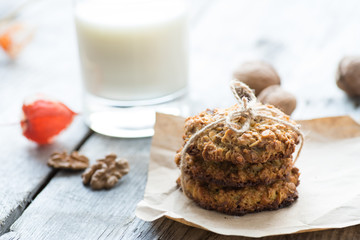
(134, 62)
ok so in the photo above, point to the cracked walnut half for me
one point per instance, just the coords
(105, 173)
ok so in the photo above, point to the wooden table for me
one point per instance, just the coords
(304, 40)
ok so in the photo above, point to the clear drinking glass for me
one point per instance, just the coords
(134, 62)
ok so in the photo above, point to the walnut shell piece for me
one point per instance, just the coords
(105, 173)
(275, 95)
(258, 75)
(348, 76)
(74, 161)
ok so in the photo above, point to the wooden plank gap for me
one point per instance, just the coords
(14, 215)
(83, 140)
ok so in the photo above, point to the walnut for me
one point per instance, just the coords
(258, 75)
(74, 161)
(348, 76)
(105, 173)
(278, 97)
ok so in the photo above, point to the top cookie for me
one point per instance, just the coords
(265, 139)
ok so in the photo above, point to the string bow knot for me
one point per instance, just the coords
(247, 109)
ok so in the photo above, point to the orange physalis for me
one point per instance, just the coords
(14, 36)
(44, 118)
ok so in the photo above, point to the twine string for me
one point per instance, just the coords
(247, 101)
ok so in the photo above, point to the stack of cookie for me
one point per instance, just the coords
(236, 173)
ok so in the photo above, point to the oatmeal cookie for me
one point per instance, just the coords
(240, 201)
(236, 175)
(266, 139)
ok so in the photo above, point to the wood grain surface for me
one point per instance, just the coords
(47, 66)
(65, 209)
(304, 40)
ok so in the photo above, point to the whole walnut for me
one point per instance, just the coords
(348, 76)
(278, 97)
(258, 75)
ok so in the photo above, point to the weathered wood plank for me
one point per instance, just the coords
(40, 69)
(227, 33)
(66, 209)
(168, 229)
(195, 11)
(23, 169)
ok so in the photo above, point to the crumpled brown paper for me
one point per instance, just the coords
(329, 192)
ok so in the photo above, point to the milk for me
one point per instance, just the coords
(132, 49)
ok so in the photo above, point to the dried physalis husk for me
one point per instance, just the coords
(105, 173)
(74, 161)
(14, 36)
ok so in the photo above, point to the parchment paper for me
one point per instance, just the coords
(329, 190)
